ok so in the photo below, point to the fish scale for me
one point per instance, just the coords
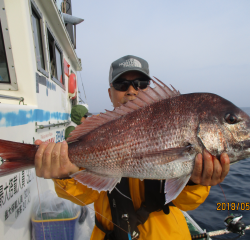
(117, 155)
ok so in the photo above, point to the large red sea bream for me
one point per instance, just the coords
(155, 136)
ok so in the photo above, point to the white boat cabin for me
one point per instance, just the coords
(38, 86)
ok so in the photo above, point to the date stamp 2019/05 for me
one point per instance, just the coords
(233, 206)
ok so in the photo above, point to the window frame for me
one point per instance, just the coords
(55, 44)
(8, 52)
(34, 7)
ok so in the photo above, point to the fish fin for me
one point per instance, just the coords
(145, 96)
(143, 99)
(96, 181)
(7, 168)
(174, 186)
(132, 105)
(20, 153)
(164, 90)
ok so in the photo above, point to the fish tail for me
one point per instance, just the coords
(16, 156)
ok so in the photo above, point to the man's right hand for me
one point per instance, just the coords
(52, 161)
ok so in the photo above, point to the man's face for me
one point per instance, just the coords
(119, 97)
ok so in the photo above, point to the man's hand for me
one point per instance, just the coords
(52, 161)
(213, 171)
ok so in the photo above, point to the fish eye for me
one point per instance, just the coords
(231, 118)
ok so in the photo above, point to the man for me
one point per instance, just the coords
(78, 114)
(157, 221)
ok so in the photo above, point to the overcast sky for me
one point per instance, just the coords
(195, 45)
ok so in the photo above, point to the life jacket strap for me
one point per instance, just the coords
(123, 213)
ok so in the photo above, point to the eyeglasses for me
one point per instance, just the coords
(123, 84)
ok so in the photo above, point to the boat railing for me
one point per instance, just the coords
(51, 125)
(20, 99)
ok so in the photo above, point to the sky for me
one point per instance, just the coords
(195, 45)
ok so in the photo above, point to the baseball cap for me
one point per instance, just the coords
(77, 112)
(126, 64)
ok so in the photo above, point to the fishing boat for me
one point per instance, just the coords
(38, 87)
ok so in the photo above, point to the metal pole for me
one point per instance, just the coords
(51, 125)
(11, 97)
(75, 35)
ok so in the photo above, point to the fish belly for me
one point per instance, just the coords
(175, 169)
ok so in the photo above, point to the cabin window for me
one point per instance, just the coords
(37, 25)
(58, 64)
(55, 59)
(8, 80)
(4, 72)
(38, 40)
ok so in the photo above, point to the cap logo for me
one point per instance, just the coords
(131, 63)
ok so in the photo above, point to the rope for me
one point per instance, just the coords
(224, 197)
(83, 87)
(122, 194)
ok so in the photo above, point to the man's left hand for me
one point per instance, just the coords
(211, 171)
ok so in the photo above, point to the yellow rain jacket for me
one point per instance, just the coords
(158, 225)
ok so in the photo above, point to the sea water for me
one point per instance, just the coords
(211, 214)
